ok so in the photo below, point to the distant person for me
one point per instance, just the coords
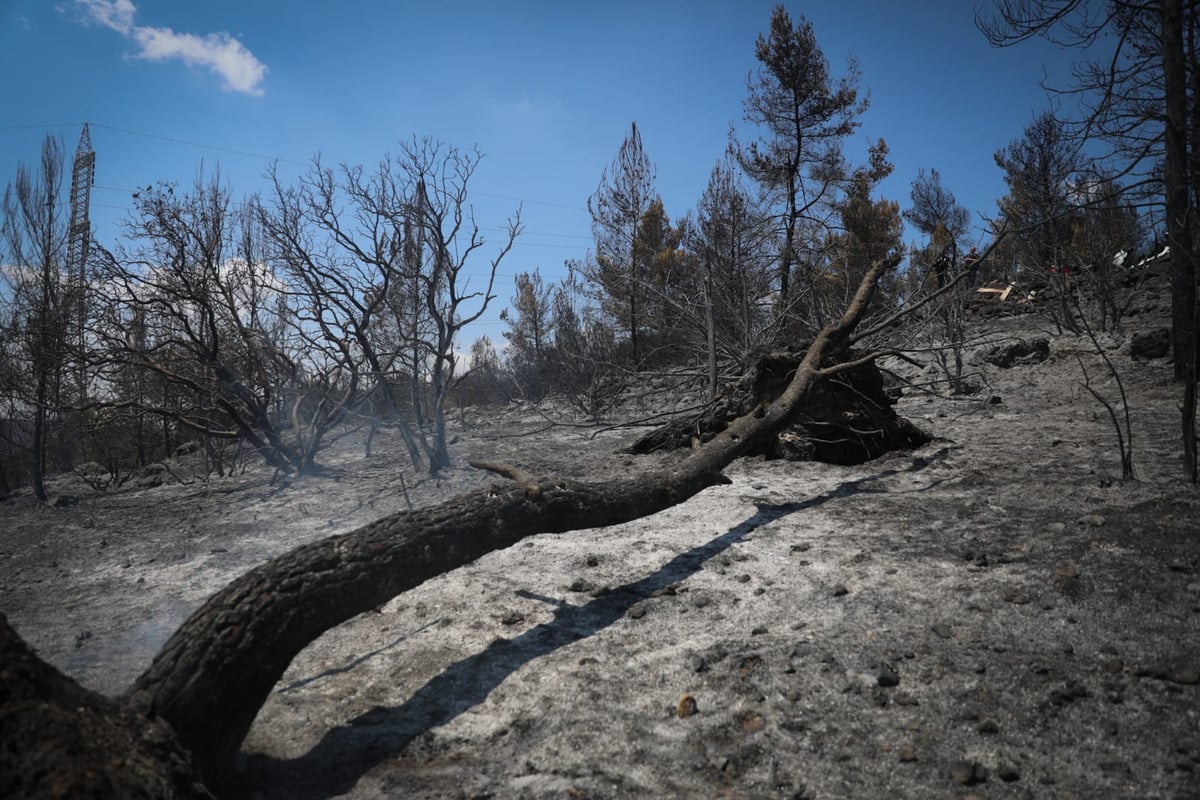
(971, 262)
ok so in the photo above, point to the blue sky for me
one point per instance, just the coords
(546, 90)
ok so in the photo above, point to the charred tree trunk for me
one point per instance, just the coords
(1179, 224)
(61, 740)
(213, 675)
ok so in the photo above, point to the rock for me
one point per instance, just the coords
(907, 755)
(839, 590)
(1016, 597)
(1008, 773)
(1018, 352)
(887, 676)
(685, 706)
(758, 630)
(1180, 670)
(1091, 521)
(942, 630)
(968, 773)
(580, 585)
(1154, 344)
(987, 727)
(1069, 693)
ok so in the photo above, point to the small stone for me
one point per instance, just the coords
(839, 590)
(941, 629)
(802, 547)
(758, 590)
(968, 714)
(904, 699)
(512, 618)
(988, 726)
(685, 706)
(743, 578)
(1179, 671)
(696, 663)
(1069, 693)
(580, 585)
(758, 630)
(638, 611)
(1177, 565)
(1016, 597)
(907, 755)
(968, 773)
(1092, 521)
(1008, 773)
(1194, 587)
(887, 676)
(592, 561)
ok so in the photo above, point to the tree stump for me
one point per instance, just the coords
(847, 418)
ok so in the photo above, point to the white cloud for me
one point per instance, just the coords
(237, 67)
(115, 14)
(220, 53)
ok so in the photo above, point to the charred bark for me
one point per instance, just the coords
(214, 674)
(61, 740)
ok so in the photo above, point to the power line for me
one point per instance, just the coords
(531, 202)
(248, 154)
(197, 144)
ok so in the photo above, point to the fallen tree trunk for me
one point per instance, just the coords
(215, 672)
(58, 739)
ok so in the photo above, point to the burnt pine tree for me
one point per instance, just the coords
(1041, 171)
(530, 328)
(623, 197)
(734, 241)
(939, 216)
(803, 115)
(870, 230)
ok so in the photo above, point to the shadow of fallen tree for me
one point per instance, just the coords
(346, 753)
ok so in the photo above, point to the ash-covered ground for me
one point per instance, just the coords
(994, 615)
